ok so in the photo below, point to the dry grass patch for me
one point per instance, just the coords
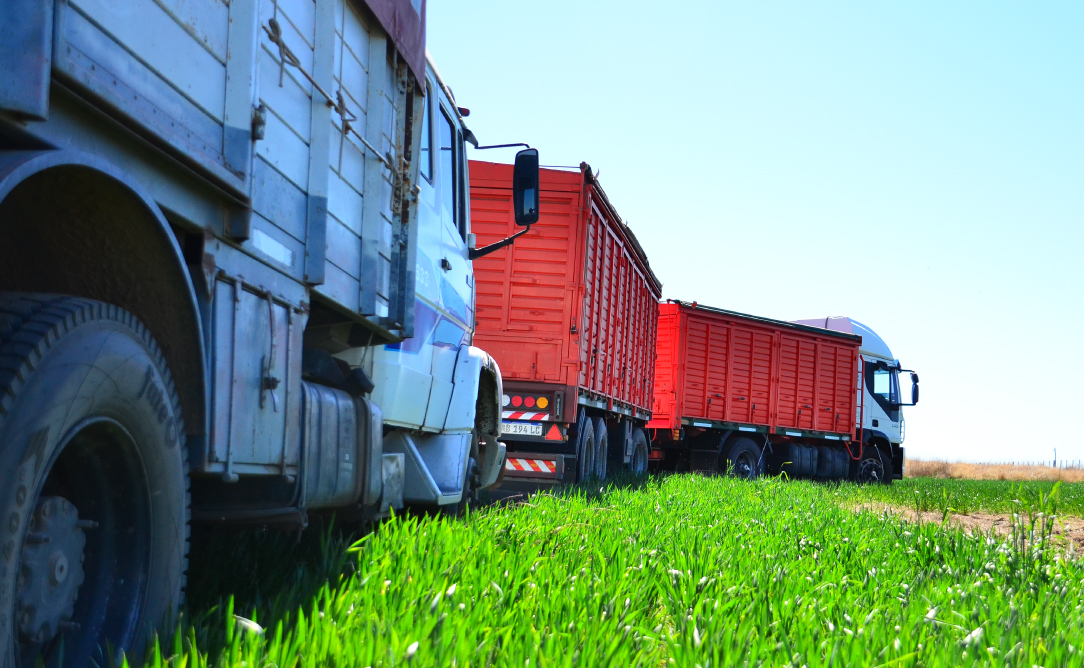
(1065, 530)
(918, 468)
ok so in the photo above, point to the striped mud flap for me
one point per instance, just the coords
(526, 465)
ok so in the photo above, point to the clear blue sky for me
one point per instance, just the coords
(917, 166)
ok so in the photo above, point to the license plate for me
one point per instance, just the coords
(521, 429)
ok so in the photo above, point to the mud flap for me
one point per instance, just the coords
(393, 469)
(493, 461)
(434, 466)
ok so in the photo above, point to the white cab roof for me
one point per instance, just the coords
(871, 343)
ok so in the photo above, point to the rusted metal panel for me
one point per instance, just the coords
(405, 22)
(573, 302)
(725, 367)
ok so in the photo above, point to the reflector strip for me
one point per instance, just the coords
(533, 465)
(521, 415)
(794, 433)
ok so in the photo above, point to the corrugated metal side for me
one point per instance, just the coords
(525, 292)
(721, 367)
(620, 316)
(664, 411)
(576, 269)
(727, 371)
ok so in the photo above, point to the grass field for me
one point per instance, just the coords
(681, 570)
(968, 496)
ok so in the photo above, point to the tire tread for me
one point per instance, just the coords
(32, 323)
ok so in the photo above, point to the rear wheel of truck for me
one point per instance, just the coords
(638, 462)
(602, 448)
(93, 483)
(870, 467)
(585, 449)
(743, 459)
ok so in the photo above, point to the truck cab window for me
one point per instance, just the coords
(449, 180)
(886, 385)
(425, 167)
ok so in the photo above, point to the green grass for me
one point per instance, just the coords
(682, 570)
(969, 496)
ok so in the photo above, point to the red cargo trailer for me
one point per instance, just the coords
(569, 312)
(755, 394)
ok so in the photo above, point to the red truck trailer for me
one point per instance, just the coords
(570, 314)
(750, 395)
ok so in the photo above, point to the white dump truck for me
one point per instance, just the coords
(235, 287)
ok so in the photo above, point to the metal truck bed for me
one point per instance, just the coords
(726, 370)
(572, 306)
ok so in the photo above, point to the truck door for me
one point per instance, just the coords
(404, 371)
(455, 278)
(882, 385)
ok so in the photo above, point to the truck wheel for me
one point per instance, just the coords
(585, 449)
(602, 448)
(743, 459)
(870, 467)
(93, 483)
(638, 463)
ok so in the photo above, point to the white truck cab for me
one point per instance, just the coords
(440, 396)
(880, 404)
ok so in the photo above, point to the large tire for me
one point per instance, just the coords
(602, 448)
(870, 467)
(94, 501)
(639, 460)
(585, 449)
(743, 459)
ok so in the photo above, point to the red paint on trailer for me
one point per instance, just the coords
(573, 303)
(730, 367)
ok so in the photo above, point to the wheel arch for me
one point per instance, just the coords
(487, 413)
(72, 223)
(879, 440)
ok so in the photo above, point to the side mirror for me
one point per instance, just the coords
(525, 187)
(914, 392)
(914, 378)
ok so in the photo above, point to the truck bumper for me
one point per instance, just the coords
(534, 467)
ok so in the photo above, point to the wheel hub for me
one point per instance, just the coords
(51, 570)
(870, 471)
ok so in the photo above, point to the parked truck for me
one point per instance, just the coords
(570, 313)
(235, 287)
(747, 395)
